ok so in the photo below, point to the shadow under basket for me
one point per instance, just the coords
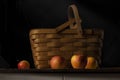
(46, 43)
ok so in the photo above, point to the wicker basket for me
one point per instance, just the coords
(65, 41)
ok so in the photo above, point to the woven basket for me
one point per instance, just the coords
(65, 41)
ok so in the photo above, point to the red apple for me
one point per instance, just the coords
(24, 64)
(78, 61)
(57, 62)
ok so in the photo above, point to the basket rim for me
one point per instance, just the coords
(53, 30)
(43, 30)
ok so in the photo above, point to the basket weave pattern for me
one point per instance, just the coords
(46, 43)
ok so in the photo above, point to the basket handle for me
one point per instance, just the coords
(63, 26)
(73, 12)
(76, 19)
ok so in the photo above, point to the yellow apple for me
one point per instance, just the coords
(91, 63)
(78, 61)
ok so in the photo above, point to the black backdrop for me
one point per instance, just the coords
(19, 16)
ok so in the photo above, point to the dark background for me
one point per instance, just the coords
(19, 16)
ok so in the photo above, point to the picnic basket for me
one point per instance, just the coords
(65, 40)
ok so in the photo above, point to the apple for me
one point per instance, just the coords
(24, 64)
(78, 61)
(57, 62)
(91, 63)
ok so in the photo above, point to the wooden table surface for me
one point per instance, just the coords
(101, 70)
